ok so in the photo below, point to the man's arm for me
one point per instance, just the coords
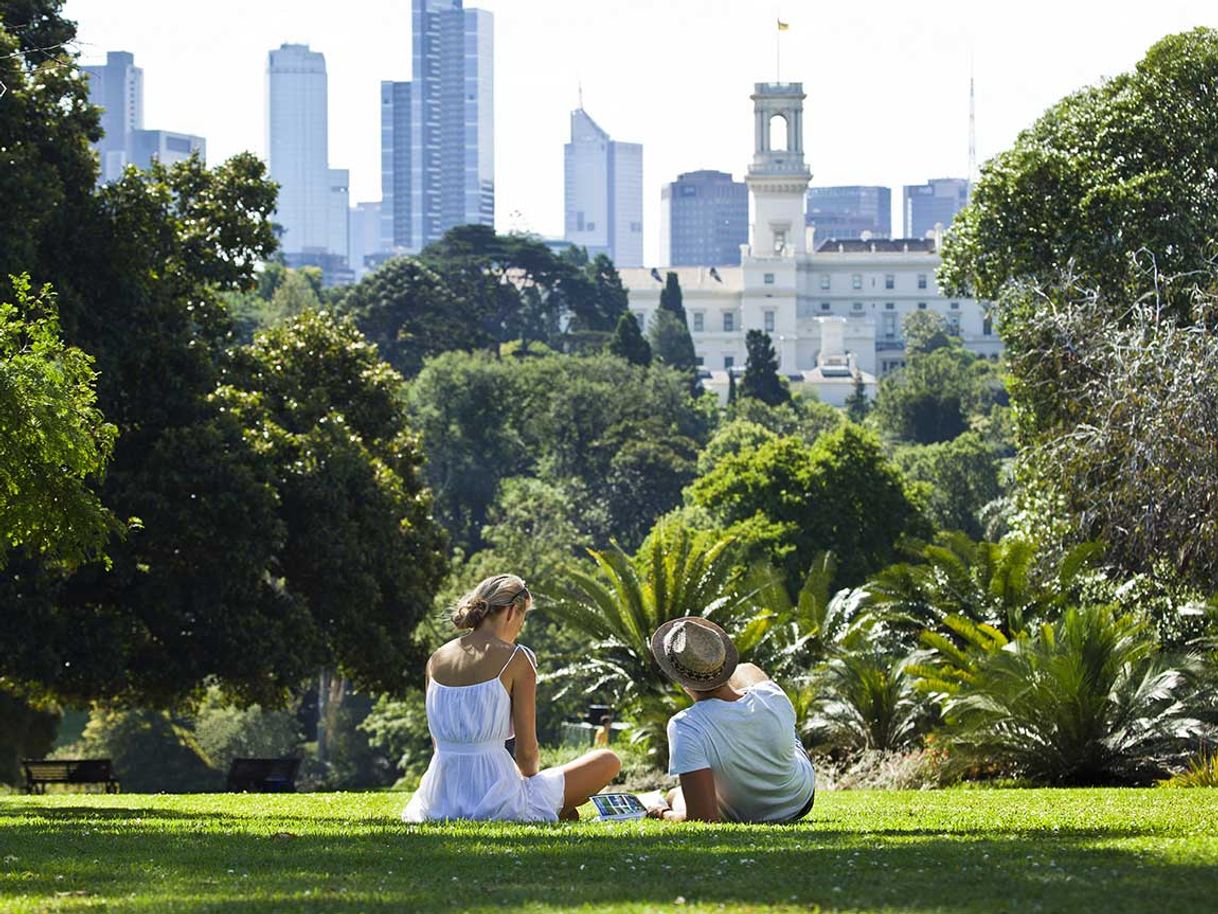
(695, 802)
(746, 676)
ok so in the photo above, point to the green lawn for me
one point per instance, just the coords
(952, 850)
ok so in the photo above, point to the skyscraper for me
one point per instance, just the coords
(932, 204)
(452, 151)
(117, 87)
(297, 141)
(364, 230)
(604, 193)
(705, 220)
(395, 167)
(848, 211)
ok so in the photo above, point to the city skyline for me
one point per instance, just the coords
(859, 124)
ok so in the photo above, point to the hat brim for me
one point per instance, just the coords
(730, 659)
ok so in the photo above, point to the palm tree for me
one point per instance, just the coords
(867, 700)
(618, 600)
(1086, 700)
(995, 584)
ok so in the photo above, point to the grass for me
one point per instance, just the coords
(950, 850)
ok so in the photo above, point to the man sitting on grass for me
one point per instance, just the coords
(735, 749)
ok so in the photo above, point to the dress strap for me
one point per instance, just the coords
(509, 660)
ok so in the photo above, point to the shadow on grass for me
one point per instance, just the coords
(383, 866)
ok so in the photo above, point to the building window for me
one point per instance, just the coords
(890, 326)
(858, 306)
(824, 280)
(889, 306)
(769, 279)
(987, 326)
(856, 281)
(698, 322)
(768, 319)
(921, 306)
(955, 306)
(728, 362)
(780, 242)
(953, 324)
(890, 281)
(921, 280)
(729, 322)
(824, 306)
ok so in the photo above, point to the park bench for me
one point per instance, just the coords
(263, 775)
(40, 772)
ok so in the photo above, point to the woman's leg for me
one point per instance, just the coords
(585, 776)
(676, 801)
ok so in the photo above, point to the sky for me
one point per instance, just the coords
(887, 80)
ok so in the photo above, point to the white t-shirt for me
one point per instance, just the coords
(762, 773)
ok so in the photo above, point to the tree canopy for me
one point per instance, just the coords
(1124, 166)
(761, 380)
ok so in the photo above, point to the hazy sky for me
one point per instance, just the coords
(887, 81)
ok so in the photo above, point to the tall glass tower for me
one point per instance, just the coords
(603, 189)
(452, 145)
(297, 140)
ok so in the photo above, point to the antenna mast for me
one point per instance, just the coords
(972, 129)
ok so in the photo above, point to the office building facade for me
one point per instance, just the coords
(932, 206)
(395, 209)
(117, 87)
(603, 192)
(850, 211)
(451, 96)
(704, 220)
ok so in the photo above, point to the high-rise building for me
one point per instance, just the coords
(117, 87)
(452, 151)
(704, 220)
(313, 197)
(933, 204)
(364, 232)
(850, 211)
(395, 167)
(297, 146)
(604, 193)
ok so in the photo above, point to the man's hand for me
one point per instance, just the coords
(657, 811)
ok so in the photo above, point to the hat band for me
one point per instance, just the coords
(687, 672)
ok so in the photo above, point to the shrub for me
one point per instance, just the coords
(225, 732)
(868, 702)
(1202, 771)
(1087, 700)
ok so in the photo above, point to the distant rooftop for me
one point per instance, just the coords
(877, 246)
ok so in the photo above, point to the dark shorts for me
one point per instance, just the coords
(803, 812)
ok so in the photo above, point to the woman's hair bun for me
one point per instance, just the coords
(492, 595)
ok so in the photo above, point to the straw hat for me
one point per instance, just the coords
(694, 652)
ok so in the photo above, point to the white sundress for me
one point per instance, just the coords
(471, 774)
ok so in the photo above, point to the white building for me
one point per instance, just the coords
(834, 315)
(603, 192)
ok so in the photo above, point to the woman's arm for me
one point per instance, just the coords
(524, 715)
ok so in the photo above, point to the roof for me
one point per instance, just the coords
(877, 246)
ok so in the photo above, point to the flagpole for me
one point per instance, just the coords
(778, 55)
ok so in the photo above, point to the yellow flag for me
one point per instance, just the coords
(783, 26)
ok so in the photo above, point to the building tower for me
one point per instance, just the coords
(297, 140)
(778, 178)
(603, 190)
(452, 152)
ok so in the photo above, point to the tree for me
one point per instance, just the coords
(962, 476)
(1113, 169)
(54, 440)
(672, 344)
(761, 380)
(933, 397)
(1116, 422)
(407, 308)
(671, 299)
(787, 501)
(628, 342)
(358, 552)
(925, 331)
(857, 406)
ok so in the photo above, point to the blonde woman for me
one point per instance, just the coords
(482, 691)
